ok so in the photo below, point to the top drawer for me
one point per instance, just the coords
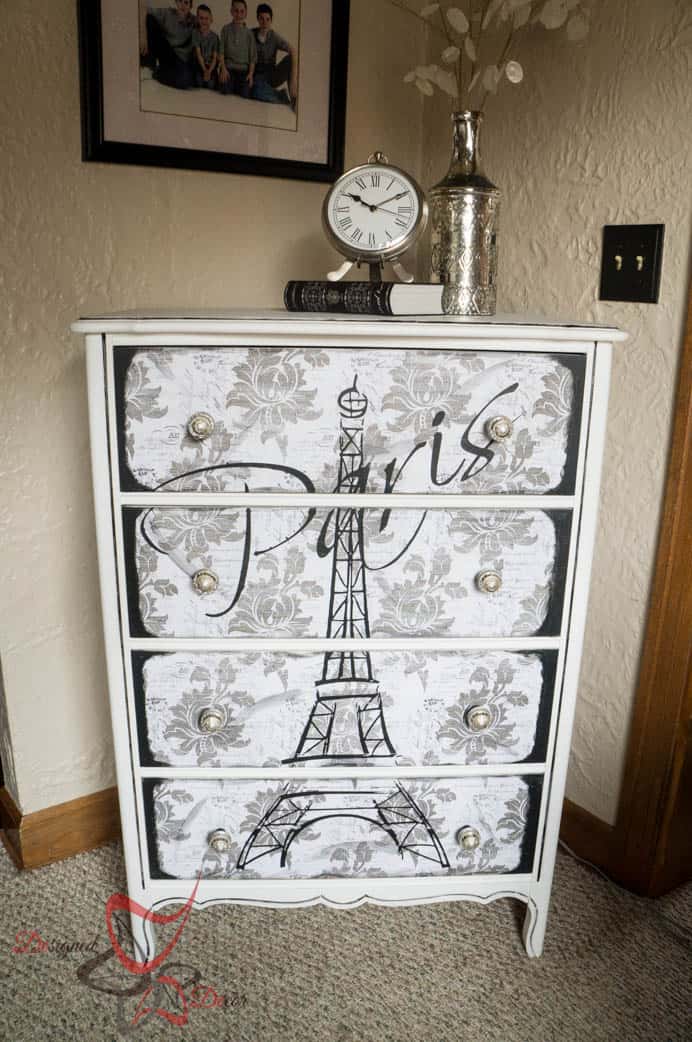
(378, 420)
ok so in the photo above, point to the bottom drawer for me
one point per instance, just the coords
(325, 828)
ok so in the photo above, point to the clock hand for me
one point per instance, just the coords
(391, 199)
(357, 199)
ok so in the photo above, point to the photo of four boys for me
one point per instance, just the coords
(183, 51)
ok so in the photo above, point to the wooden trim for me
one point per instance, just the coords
(10, 820)
(587, 835)
(649, 849)
(58, 832)
(674, 864)
(663, 700)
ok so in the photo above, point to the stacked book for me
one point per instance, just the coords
(364, 298)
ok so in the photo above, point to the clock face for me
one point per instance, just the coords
(374, 209)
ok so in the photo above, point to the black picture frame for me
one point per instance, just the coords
(97, 148)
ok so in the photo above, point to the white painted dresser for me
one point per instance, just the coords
(344, 567)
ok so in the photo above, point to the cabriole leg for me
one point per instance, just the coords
(144, 938)
(535, 922)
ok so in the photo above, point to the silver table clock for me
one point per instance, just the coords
(373, 214)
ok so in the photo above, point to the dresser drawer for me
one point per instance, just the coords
(335, 828)
(257, 709)
(271, 418)
(396, 573)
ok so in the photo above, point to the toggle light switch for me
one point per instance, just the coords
(631, 262)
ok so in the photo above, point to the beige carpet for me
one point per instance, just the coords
(616, 968)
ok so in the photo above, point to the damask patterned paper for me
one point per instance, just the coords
(276, 420)
(417, 569)
(334, 828)
(265, 702)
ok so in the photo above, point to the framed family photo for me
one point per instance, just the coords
(250, 88)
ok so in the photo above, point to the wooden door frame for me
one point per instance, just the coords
(649, 849)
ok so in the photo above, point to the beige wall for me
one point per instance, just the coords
(84, 238)
(601, 134)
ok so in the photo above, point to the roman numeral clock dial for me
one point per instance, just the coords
(373, 214)
(374, 209)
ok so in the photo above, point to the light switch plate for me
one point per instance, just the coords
(631, 262)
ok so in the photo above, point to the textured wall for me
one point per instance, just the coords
(601, 133)
(83, 238)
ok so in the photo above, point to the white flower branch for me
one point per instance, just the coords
(478, 30)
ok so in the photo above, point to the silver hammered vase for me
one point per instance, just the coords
(464, 209)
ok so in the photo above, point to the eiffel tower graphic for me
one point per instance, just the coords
(388, 807)
(346, 722)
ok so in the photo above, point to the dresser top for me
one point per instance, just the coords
(221, 321)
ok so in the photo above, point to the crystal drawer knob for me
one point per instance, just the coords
(488, 582)
(205, 581)
(468, 838)
(499, 428)
(478, 718)
(210, 720)
(219, 841)
(200, 426)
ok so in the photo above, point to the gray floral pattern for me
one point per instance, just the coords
(421, 388)
(534, 610)
(492, 532)
(142, 400)
(169, 812)
(152, 591)
(515, 462)
(273, 603)
(335, 828)
(193, 532)
(534, 607)
(355, 859)
(209, 689)
(271, 391)
(277, 407)
(556, 402)
(492, 689)
(417, 606)
(514, 821)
